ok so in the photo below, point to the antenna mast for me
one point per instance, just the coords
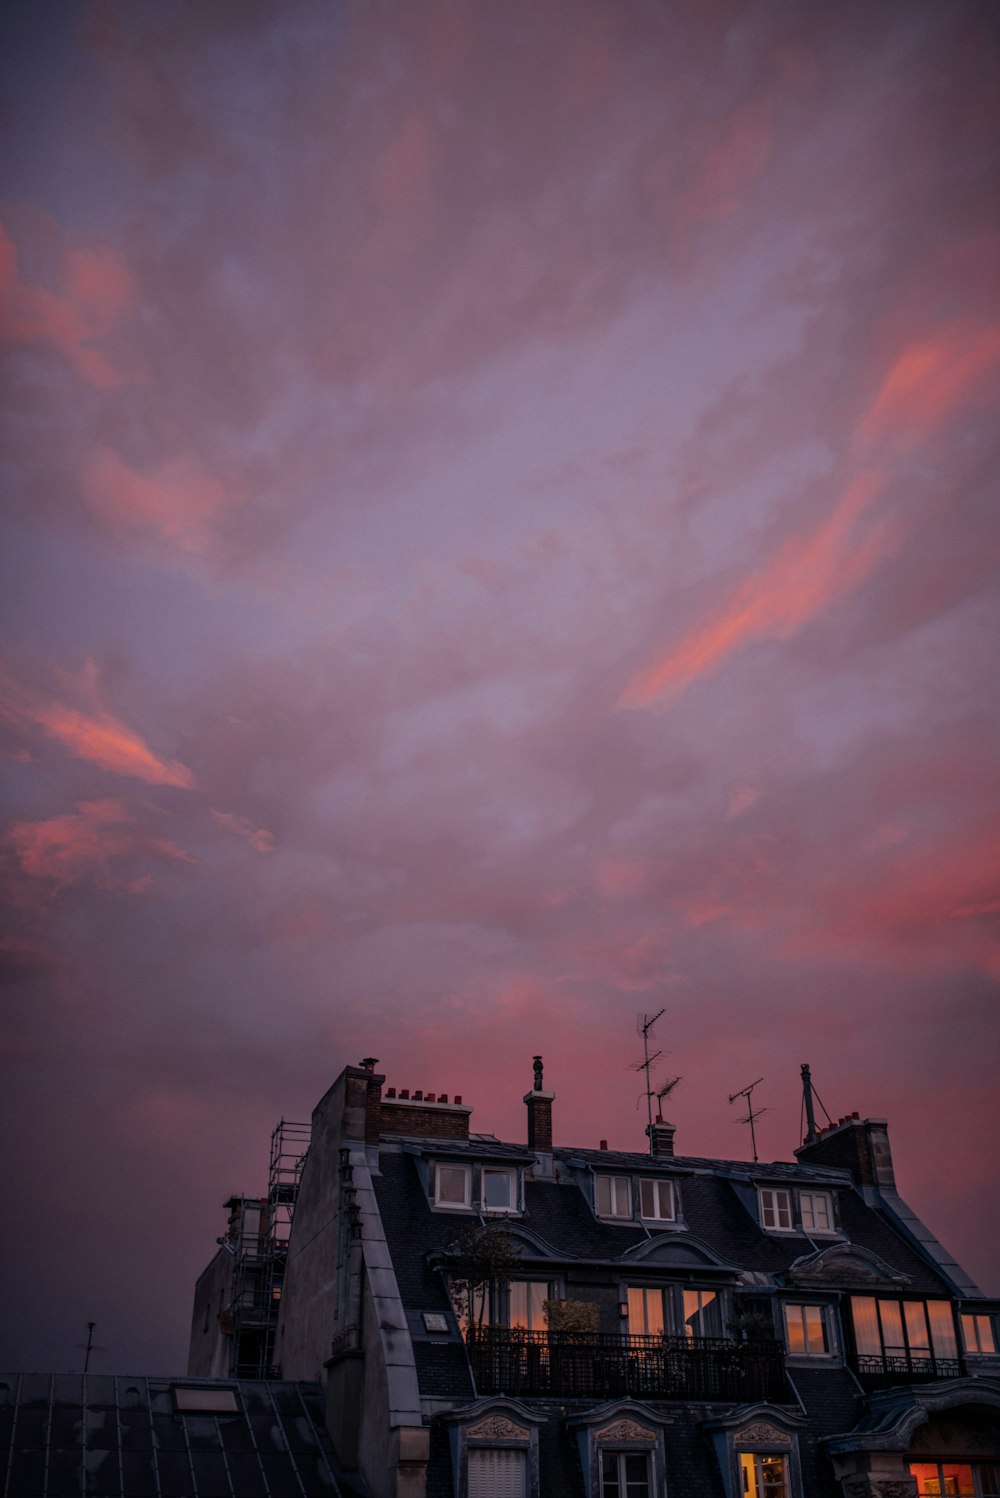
(751, 1113)
(648, 1021)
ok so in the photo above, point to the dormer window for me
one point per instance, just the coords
(499, 1189)
(656, 1201)
(613, 1195)
(775, 1210)
(452, 1186)
(816, 1209)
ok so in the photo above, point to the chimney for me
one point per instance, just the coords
(858, 1145)
(539, 1104)
(661, 1137)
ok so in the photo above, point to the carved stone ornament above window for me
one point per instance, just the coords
(625, 1430)
(496, 1428)
(843, 1264)
(768, 1435)
(879, 1487)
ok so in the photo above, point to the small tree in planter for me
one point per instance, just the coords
(570, 1316)
(487, 1258)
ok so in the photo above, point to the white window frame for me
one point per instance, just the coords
(789, 1310)
(775, 1202)
(973, 1343)
(758, 1490)
(615, 1196)
(453, 1206)
(656, 1190)
(513, 1200)
(807, 1210)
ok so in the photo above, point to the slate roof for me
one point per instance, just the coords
(123, 1437)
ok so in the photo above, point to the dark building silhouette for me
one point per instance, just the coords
(534, 1320)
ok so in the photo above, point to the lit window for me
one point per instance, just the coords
(624, 1474)
(656, 1200)
(816, 1208)
(497, 1472)
(451, 1186)
(526, 1304)
(904, 1336)
(978, 1335)
(645, 1312)
(614, 1196)
(702, 1313)
(775, 1210)
(499, 1189)
(764, 1476)
(806, 1331)
(956, 1479)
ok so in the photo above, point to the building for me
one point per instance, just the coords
(535, 1320)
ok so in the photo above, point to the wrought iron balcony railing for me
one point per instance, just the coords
(882, 1370)
(593, 1365)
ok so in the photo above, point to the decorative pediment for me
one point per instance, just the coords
(625, 1430)
(764, 1434)
(685, 1253)
(497, 1428)
(844, 1264)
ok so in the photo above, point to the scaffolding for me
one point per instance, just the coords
(260, 1228)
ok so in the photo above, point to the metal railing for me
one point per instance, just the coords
(509, 1360)
(882, 1370)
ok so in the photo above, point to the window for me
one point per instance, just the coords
(816, 1208)
(956, 1479)
(614, 1196)
(901, 1336)
(499, 1189)
(624, 1474)
(526, 1304)
(775, 1210)
(978, 1335)
(497, 1472)
(702, 1311)
(764, 1476)
(656, 1200)
(645, 1312)
(451, 1186)
(806, 1333)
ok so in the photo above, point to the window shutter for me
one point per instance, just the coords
(497, 1473)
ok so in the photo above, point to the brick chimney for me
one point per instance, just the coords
(858, 1145)
(539, 1105)
(661, 1136)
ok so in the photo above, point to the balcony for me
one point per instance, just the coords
(589, 1365)
(884, 1370)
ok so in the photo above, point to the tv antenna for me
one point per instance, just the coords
(808, 1093)
(88, 1346)
(646, 1026)
(752, 1112)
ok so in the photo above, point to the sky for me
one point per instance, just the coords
(500, 539)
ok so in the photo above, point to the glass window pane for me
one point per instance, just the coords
(701, 1314)
(622, 1197)
(451, 1180)
(609, 1475)
(892, 1328)
(957, 1480)
(497, 1192)
(815, 1328)
(865, 1318)
(928, 1479)
(645, 1312)
(916, 1327)
(604, 1196)
(943, 1339)
(795, 1335)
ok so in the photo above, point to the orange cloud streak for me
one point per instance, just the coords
(96, 736)
(178, 501)
(99, 289)
(929, 381)
(806, 575)
(85, 844)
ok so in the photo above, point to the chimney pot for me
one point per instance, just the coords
(390, 1092)
(442, 1097)
(430, 1098)
(458, 1099)
(604, 1144)
(856, 1115)
(418, 1097)
(404, 1093)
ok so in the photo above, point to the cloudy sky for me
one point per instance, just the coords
(500, 538)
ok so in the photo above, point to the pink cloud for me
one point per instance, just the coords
(929, 382)
(178, 501)
(401, 193)
(258, 838)
(88, 845)
(93, 734)
(805, 577)
(99, 290)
